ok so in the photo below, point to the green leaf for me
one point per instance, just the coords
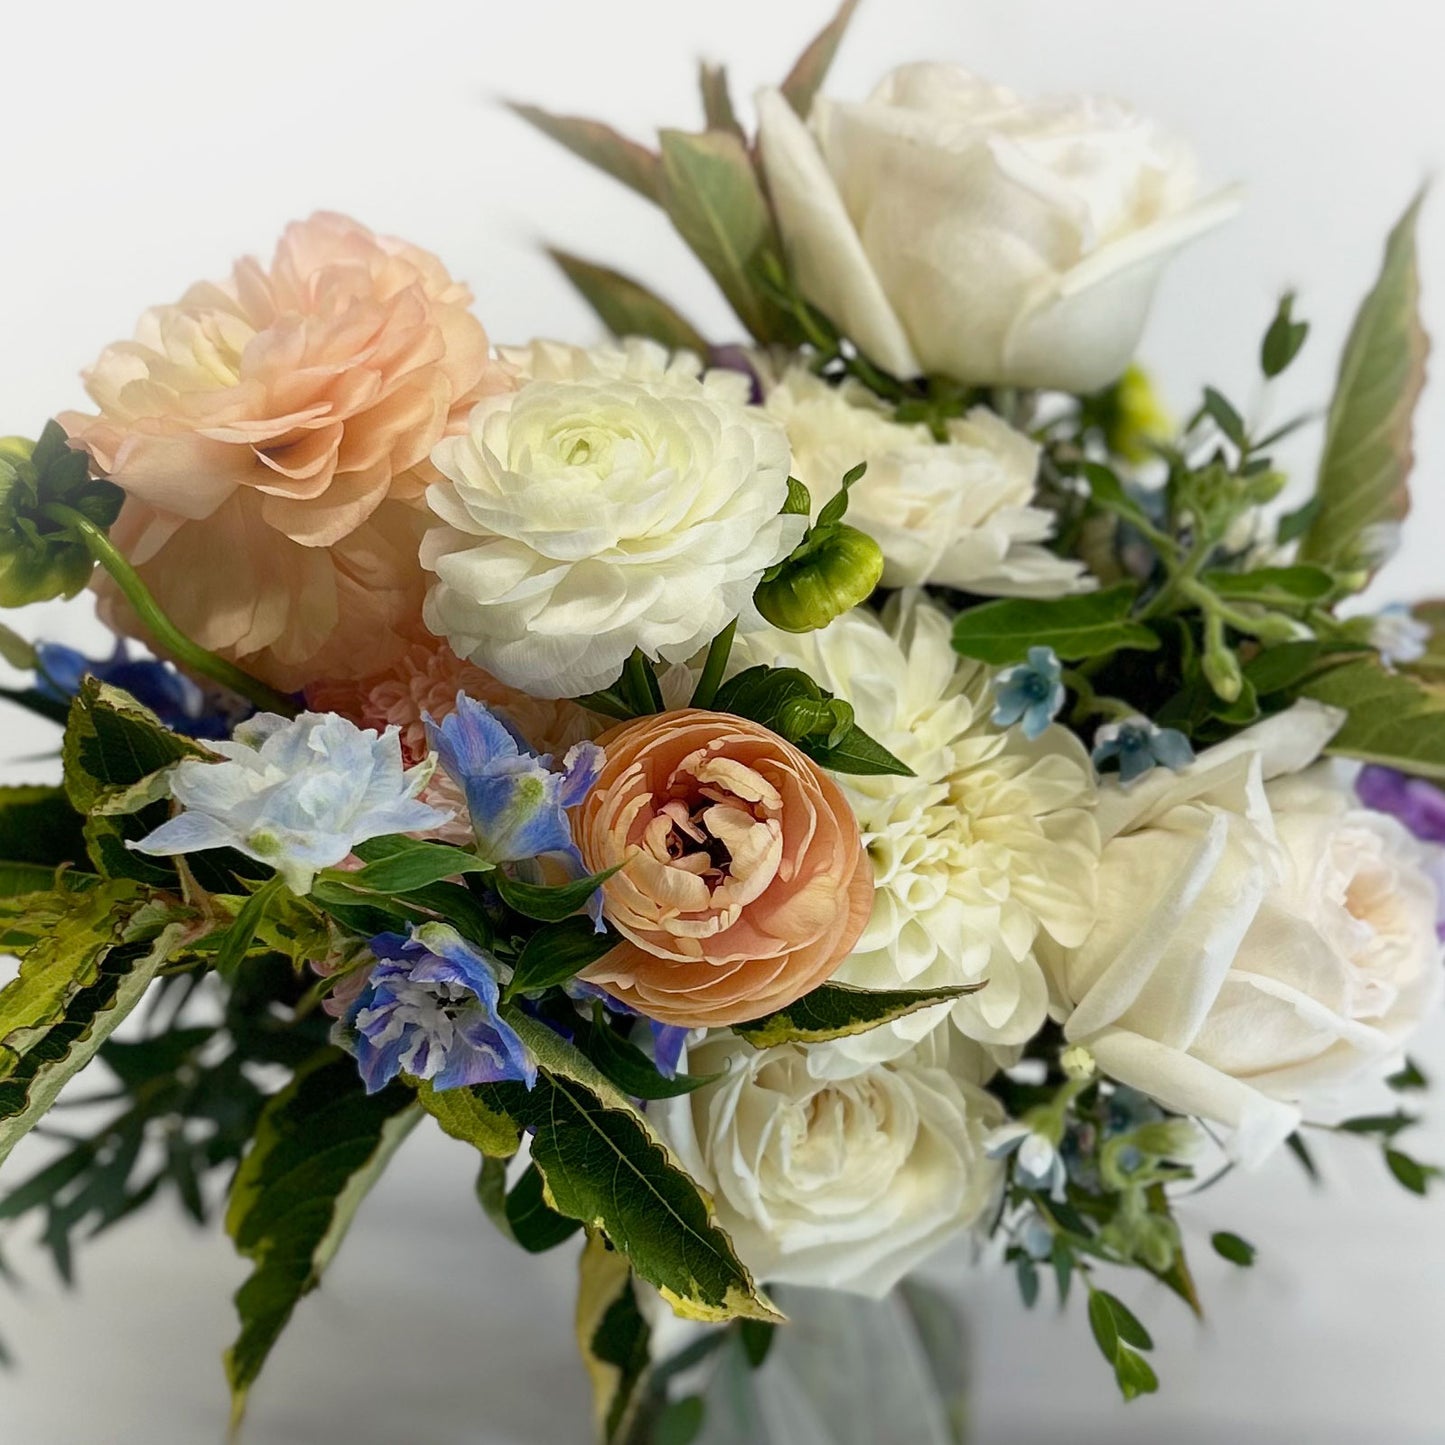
(1233, 1248)
(1135, 1375)
(613, 1337)
(557, 952)
(757, 1337)
(533, 1223)
(628, 308)
(836, 1010)
(680, 1421)
(39, 825)
(320, 1145)
(37, 1061)
(1284, 338)
(1369, 448)
(1302, 1152)
(599, 145)
(1410, 1172)
(1281, 668)
(1284, 585)
(810, 69)
(18, 879)
(407, 864)
(626, 1066)
(711, 192)
(789, 702)
(491, 1191)
(1385, 1125)
(1408, 1077)
(603, 1165)
(242, 933)
(1226, 418)
(465, 1115)
(1393, 718)
(1092, 624)
(111, 741)
(800, 501)
(548, 904)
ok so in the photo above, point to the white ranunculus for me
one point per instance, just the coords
(615, 500)
(1262, 938)
(990, 846)
(948, 225)
(957, 513)
(297, 794)
(836, 1179)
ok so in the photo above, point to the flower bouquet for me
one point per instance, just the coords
(789, 806)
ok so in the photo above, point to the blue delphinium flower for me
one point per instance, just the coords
(429, 1009)
(516, 799)
(1030, 694)
(172, 696)
(1138, 745)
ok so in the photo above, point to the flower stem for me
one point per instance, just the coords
(168, 637)
(704, 694)
(639, 685)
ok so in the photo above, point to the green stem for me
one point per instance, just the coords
(168, 637)
(704, 694)
(639, 685)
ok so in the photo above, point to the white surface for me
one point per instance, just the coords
(146, 144)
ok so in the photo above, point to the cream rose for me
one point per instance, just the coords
(1261, 937)
(843, 1182)
(957, 513)
(616, 500)
(990, 847)
(948, 225)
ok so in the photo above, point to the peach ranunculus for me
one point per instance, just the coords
(272, 434)
(743, 880)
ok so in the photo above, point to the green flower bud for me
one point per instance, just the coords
(1221, 671)
(834, 570)
(1138, 416)
(1167, 1138)
(40, 556)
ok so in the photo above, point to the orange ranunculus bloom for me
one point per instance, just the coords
(744, 882)
(273, 433)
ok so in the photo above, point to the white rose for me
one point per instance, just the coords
(1261, 938)
(957, 513)
(989, 847)
(616, 500)
(836, 1182)
(948, 225)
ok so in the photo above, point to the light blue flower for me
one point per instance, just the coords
(516, 799)
(1030, 694)
(429, 1009)
(296, 794)
(1038, 1165)
(1138, 745)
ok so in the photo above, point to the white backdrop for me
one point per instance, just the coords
(143, 145)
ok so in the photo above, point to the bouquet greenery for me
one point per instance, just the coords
(789, 806)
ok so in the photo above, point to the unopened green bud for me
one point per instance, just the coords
(40, 556)
(1166, 1138)
(1221, 671)
(832, 572)
(1139, 416)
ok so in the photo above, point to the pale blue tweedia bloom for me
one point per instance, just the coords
(516, 800)
(429, 1010)
(1029, 694)
(1037, 1162)
(296, 794)
(1139, 745)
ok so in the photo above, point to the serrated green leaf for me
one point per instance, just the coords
(111, 741)
(811, 68)
(613, 1337)
(712, 194)
(837, 1010)
(320, 1145)
(465, 1115)
(626, 307)
(603, 1165)
(1091, 624)
(37, 1060)
(599, 145)
(1369, 447)
(1393, 718)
